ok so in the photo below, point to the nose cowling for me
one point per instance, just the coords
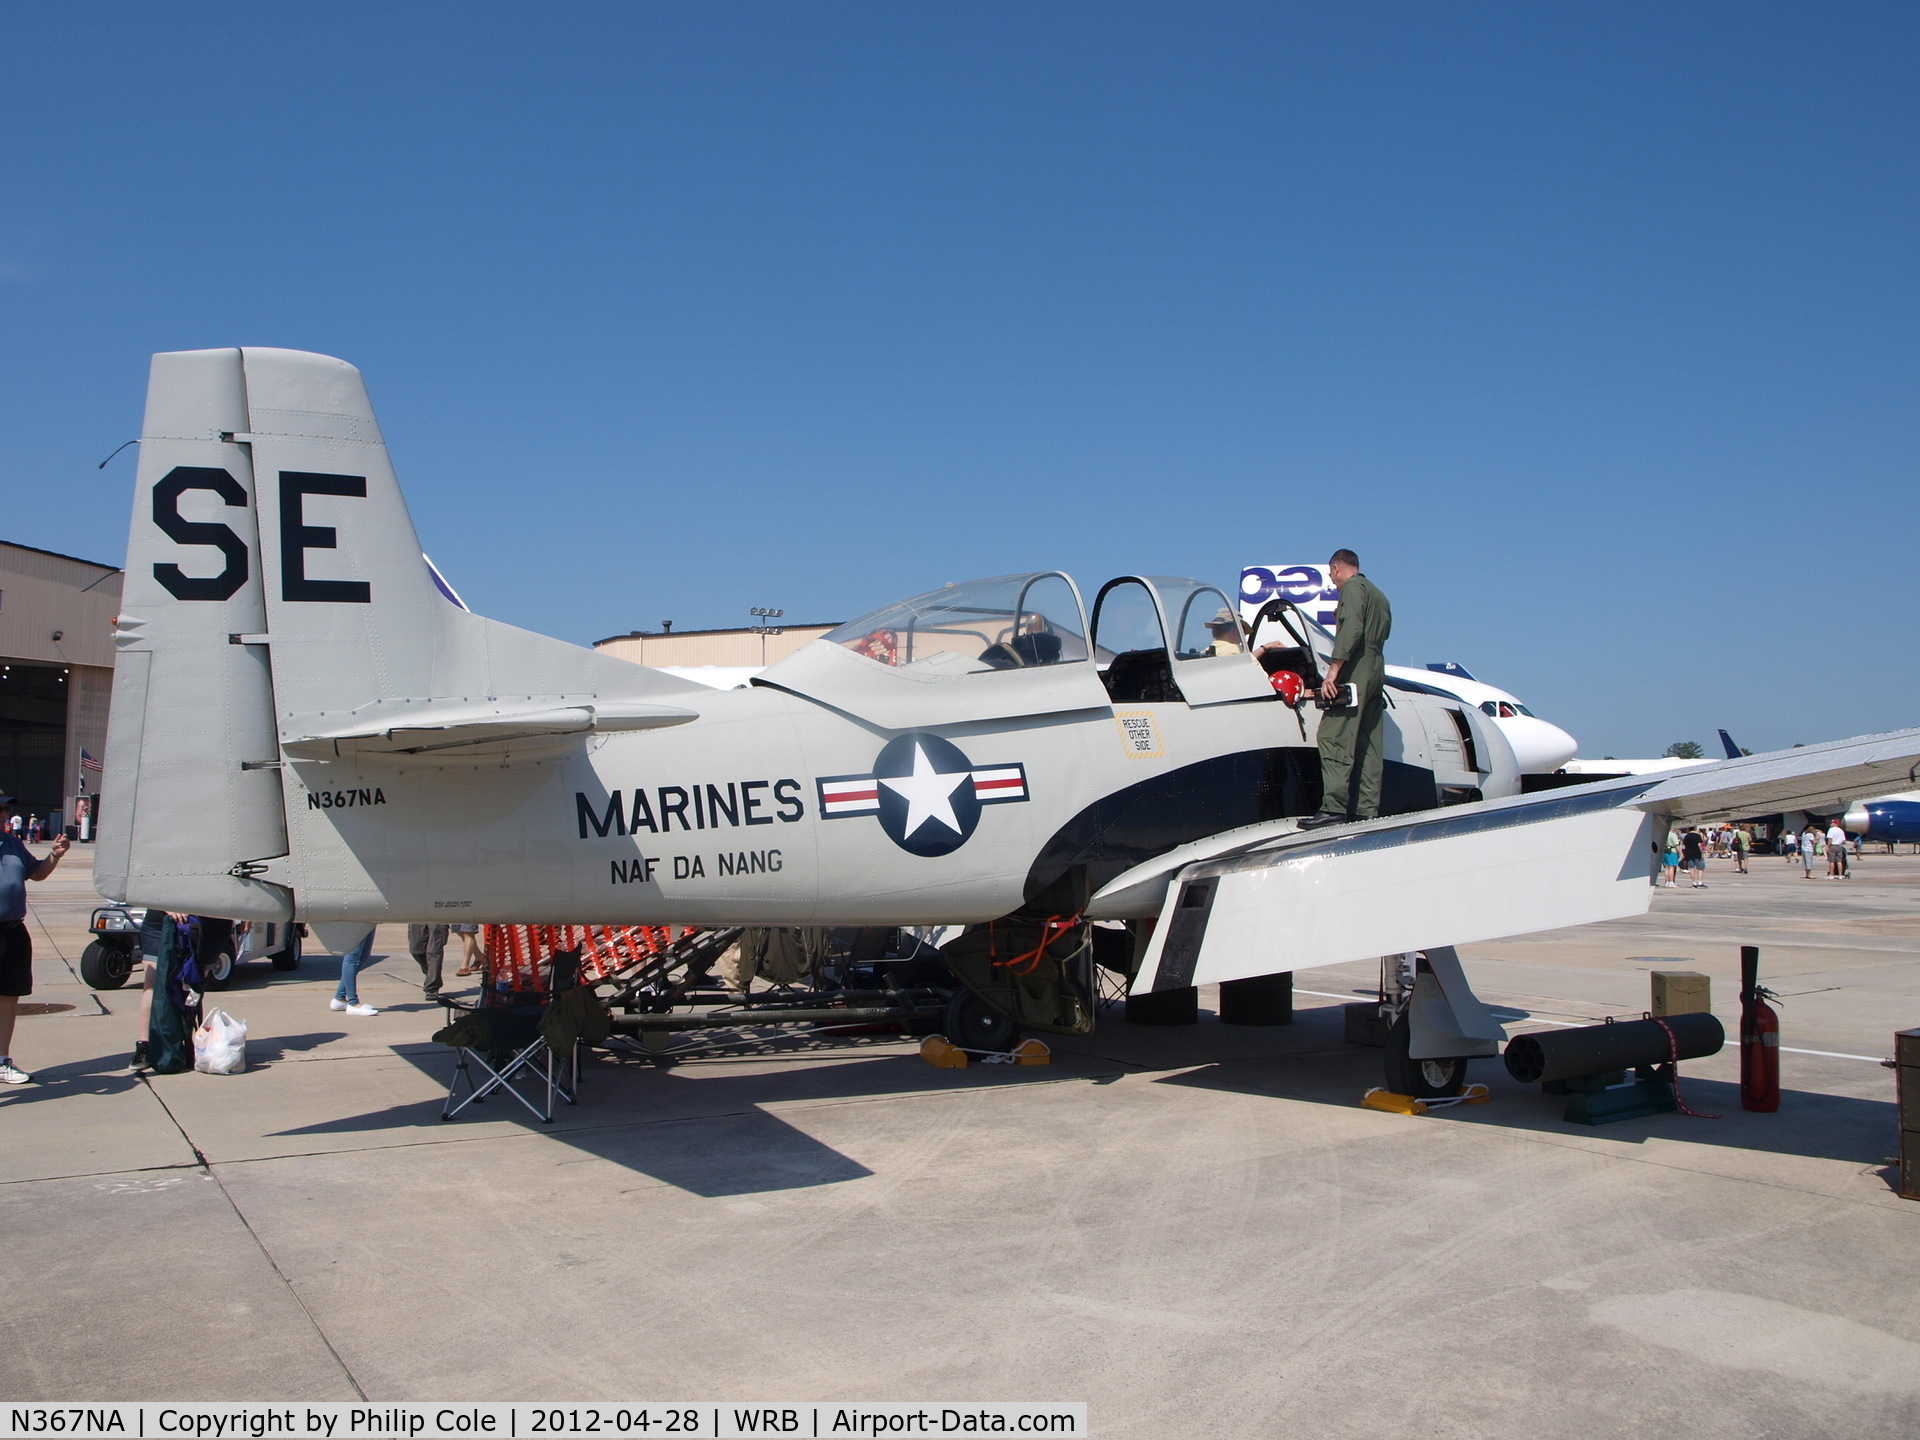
(1857, 820)
(1540, 748)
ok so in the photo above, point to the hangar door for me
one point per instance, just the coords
(33, 734)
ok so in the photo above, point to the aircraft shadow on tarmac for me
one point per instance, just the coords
(711, 1136)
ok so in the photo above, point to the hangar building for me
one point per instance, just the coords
(56, 676)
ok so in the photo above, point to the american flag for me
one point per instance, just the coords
(87, 762)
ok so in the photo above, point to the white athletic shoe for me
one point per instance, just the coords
(361, 1010)
(336, 1003)
(12, 1074)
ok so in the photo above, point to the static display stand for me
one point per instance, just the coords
(1165, 1007)
(1257, 1000)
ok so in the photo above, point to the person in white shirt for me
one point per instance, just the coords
(1836, 852)
(1790, 846)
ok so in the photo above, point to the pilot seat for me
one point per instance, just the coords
(1140, 676)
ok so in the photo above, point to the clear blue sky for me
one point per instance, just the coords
(1593, 328)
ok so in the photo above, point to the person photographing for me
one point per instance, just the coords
(1351, 735)
(17, 866)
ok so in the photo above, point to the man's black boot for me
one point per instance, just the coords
(1325, 817)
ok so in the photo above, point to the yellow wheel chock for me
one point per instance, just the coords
(1383, 1099)
(943, 1054)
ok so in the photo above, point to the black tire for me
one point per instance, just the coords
(213, 950)
(973, 1024)
(106, 966)
(1422, 1079)
(287, 957)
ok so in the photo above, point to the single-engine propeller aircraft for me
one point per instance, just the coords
(307, 725)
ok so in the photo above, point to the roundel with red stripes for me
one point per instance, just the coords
(925, 792)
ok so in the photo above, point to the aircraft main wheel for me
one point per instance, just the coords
(1422, 1079)
(216, 970)
(287, 957)
(213, 949)
(106, 967)
(973, 1024)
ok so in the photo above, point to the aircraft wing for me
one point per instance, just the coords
(1810, 777)
(1473, 872)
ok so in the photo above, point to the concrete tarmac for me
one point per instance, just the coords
(1197, 1230)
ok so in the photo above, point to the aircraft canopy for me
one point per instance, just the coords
(1006, 622)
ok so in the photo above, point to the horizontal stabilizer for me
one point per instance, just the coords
(392, 730)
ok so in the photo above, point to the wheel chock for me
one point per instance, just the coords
(937, 1052)
(1380, 1098)
(943, 1054)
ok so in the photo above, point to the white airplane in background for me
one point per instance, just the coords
(307, 725)
(1658, 765)
(1539, 747)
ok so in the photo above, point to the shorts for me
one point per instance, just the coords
(1696, 864)
(464, 929)
(16, 959)
(1671, 857)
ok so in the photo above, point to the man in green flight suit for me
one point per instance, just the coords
(1351, 761)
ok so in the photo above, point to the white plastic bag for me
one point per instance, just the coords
(220, 1045)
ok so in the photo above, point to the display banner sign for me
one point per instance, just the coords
(492, 1420)
(1308, 586)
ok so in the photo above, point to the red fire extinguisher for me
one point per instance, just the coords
(1759, 1037)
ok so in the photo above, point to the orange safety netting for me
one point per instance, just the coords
(520, 957)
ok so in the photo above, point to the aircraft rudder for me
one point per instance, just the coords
(178, 808)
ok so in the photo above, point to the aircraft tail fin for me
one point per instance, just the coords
(189, 788)
(1734, 752)
(278, 607)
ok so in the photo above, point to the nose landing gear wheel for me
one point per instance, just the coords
(972, 1024)
(287, 957)
(216, 970)
(1422, 1079)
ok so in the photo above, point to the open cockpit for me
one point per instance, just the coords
(1151, 638)
(1027, 646)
